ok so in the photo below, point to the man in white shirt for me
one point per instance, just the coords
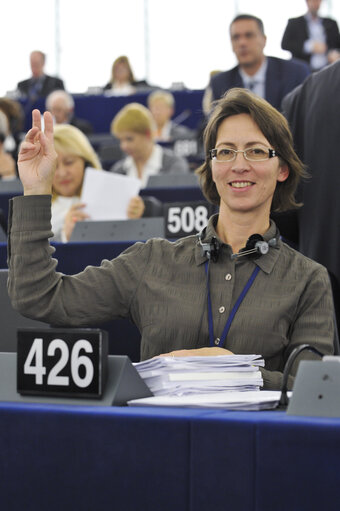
(312, 38)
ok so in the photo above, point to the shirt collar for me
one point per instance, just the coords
(310, 18)
(265, 262)
(38, 79)
(151, 167)
(258, 77)
(166, 131)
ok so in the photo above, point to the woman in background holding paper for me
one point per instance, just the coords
(74, 154)
(201, 295)
(134, 126)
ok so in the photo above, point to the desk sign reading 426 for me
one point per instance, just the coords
(62, 362)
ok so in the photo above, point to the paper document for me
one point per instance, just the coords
(107, 194)
(180, 376)
(256, 400)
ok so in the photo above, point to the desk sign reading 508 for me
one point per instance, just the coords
(62, 362)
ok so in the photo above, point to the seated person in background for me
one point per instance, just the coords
(206, 101)
(40, 84)
(180, 294)
(16, 117)
(312, 38)
(74, 154)
(61, 105)
(162, 107)
(122, 81)
(269, 77)
(7, 162)
(133, 126)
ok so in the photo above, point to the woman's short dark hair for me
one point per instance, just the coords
(276, 130)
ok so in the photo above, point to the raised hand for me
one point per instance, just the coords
(37, 157)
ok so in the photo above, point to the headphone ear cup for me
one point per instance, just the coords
(252, 240)
(206, 249)
(215, 249)
(210, 249)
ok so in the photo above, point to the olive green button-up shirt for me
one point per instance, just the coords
(162, 287)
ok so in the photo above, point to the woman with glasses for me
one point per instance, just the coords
(234, 288)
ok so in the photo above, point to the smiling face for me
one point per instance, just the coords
(69, 174)
(245, 186)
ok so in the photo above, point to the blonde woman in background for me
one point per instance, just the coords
(134, 127)
(74, 154)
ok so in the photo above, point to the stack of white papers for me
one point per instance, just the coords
(183, 376)
(253, 400)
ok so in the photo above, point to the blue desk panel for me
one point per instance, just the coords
(182, 194)
(305, 455)
(101, 109)
(265, 461)
(68, 459)
(58, 457)
(74, 257)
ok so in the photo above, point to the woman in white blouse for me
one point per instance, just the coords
(134, 127)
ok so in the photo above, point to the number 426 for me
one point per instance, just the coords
(34, 363)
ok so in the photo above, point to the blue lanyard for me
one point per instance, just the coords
(234, 309)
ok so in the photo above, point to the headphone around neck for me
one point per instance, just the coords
(255, 247)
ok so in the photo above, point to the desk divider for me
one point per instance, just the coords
(123, 383)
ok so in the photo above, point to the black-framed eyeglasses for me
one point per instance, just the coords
(225, 154)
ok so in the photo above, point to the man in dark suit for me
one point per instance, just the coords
(269, 77)
(312, 38)
(40, 84)
(61, 106)
(312, 110)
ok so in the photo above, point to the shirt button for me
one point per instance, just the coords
(228, 276)
(221, 309)
(217, 340)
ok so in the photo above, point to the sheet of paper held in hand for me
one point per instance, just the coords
(107, 194)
